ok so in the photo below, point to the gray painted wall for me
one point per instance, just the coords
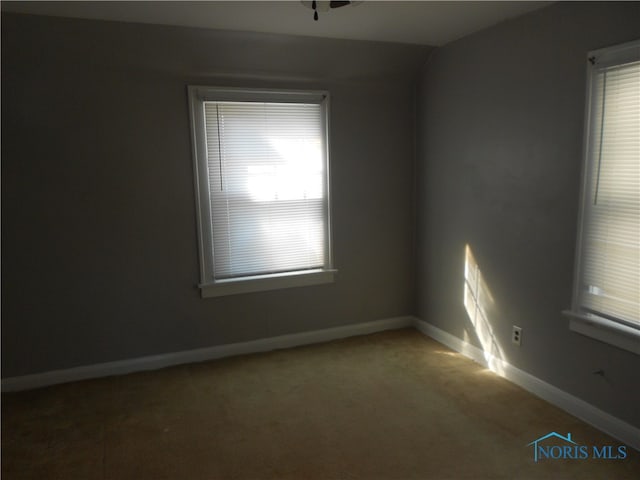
(99, 235)
(98, 210)
(499, 156)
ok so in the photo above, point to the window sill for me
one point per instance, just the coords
(263, 283)
(608, 331)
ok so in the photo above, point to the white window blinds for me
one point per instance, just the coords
(610, 251)
(267, 182)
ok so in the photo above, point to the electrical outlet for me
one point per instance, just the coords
(516, 335)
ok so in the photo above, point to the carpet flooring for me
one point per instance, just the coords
(392, 405)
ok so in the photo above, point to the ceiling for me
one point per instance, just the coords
(415, 22)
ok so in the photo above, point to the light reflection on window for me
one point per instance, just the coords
(295, 174)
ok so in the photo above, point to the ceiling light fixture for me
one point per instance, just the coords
(325, 6)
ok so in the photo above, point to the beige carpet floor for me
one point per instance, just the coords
(393, 405)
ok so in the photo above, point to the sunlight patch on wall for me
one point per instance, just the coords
(478, 302)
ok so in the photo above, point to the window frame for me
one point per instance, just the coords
(618, 333)
(209, 285)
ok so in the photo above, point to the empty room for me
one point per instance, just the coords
(320, 240)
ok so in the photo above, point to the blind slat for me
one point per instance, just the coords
(610, 264)
(267, 181)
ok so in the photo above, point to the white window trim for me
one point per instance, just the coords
(599, 328)
(209, 286)
(605, 330)
(259, 283)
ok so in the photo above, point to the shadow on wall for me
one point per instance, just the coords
(480, 305)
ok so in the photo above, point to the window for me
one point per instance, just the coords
(262, 180)
(606, 303)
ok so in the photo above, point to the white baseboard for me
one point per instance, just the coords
(28, 382)
(578, 408)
